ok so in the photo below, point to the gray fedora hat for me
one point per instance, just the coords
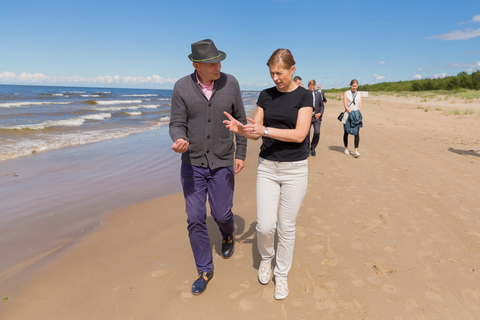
(204, 51)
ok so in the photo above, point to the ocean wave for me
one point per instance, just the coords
(73, 122)
(117, 108)
(27, 147)
(134, 113)
(27, 103)
(140, 95)
(166, 118)
(90, 95)
(149, 106)
(106, 102)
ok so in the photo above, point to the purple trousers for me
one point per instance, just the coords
(218, 184)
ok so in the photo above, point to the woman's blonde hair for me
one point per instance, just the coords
(282, 56)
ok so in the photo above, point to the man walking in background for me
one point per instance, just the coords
(318, 108)
(210, 154)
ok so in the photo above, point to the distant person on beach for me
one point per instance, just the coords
(318, 109)
(298, 81)
(324, 99)
(352, 118)
(282, 120)
(210, 155)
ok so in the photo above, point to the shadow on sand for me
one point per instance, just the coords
(465, 152)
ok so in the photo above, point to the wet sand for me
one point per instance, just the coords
(394, 234)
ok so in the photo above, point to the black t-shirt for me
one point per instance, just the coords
(280, 110)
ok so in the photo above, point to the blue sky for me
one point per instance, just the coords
(145, 44)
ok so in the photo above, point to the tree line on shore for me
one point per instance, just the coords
(462, 80)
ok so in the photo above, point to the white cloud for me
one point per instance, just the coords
(382, 62)
(39, 78)
(417, 77)
(440, 76)
(379, 77)
(458, 35)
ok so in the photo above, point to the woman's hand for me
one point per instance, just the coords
(252, 131)
(233, 124)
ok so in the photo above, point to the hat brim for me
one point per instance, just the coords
(222, 55)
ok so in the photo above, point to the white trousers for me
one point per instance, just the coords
(280, 186)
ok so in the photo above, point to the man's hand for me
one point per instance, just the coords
(180, 145)
(239, 164)
(317, 116)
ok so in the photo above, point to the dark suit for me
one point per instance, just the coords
(318, 108)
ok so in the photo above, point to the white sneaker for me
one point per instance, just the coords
(346, 151)
(281, 289)
(357, 154)
(265, 272)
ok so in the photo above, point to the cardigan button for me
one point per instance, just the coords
(209, 120)
(208, 137)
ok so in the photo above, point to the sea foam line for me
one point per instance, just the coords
(27, 103)
(74, 122)
(117, 101)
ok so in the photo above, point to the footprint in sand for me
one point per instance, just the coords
(243, 287)
(471, 298)
(316, 248)
(433, 295)
(389, 289)
(411, 305)
(186, 296)
(245, 305)
(160, 274)
(356, 281)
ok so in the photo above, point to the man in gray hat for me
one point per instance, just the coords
(210, 154)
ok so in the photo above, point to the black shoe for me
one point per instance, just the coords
(228, 244)
(200, 284)
(313, 153)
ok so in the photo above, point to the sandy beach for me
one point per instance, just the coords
(394, 234)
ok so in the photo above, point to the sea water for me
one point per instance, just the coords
(42, 118)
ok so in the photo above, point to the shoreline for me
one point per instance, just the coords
(62, 196)
(393, 234)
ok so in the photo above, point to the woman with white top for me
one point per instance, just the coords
(352, 101)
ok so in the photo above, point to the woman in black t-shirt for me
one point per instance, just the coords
(282, 119)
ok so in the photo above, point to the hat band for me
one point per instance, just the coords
(207, 59)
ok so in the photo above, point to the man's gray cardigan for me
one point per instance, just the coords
(200, 121)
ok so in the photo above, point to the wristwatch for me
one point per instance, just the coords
(265, 132)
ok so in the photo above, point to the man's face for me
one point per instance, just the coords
(319, 88)
(311, 88)
(207, 72)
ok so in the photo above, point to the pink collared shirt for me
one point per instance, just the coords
(207, 91)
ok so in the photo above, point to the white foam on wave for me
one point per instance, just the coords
(27, 103)
(90, 95)
(166, 118)
(140, 95)
(73, 122)
(134, 113)
(116, 108)
(106, 102)
(150, 106)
